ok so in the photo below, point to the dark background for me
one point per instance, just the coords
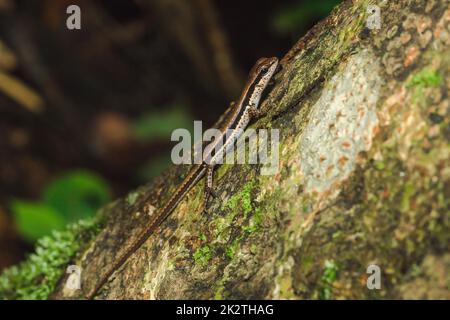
(86, 115)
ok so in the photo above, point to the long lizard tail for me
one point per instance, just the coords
(195, 174)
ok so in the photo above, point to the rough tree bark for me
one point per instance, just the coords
(364, 120)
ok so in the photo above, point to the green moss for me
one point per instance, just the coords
(220, 225)
(408, 191)
(255, 222)
(344, 38)
(337, 235)
(425, 79)
(240, 202)
(379, 165)
(36, 278)
(285, 285)
(203, 255)
(218, 295)
(329, 275)
(307, 263)
(243, 198)
(230, 251)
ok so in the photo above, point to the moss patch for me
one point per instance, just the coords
(203, 255)
(36, 278)
(218, 295)
(254, 223)
(328, 277)
(425, 79)
(243, 198)
(230, 251)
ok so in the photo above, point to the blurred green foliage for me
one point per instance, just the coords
(153, 168)
(34, 219)
(156, 125)
(74, 196)
(160, 125)
(296, 18)
(77, 195)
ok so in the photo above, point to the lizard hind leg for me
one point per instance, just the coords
(208, 188)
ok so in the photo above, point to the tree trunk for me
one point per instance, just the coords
(364, 179)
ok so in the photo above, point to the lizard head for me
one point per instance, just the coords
(264, 69)
(260, 76)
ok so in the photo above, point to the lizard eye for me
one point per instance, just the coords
(264, 69)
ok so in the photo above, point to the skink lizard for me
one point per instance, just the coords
(236, 120)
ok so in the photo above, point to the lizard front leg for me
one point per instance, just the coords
(254, 112)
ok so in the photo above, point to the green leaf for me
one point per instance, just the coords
(77, 195)
(35, 220)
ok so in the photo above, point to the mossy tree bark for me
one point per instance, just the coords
(364, 178)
